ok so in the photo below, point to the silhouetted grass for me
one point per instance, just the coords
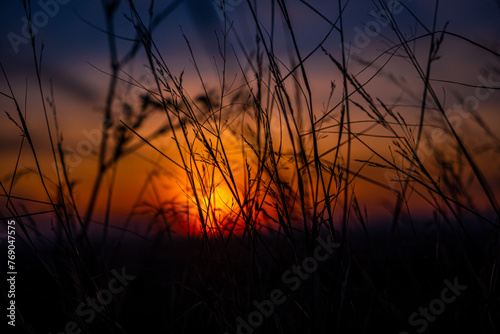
(262, 184)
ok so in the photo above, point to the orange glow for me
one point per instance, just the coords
(217, 212)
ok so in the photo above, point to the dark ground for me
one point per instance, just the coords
(188, 286)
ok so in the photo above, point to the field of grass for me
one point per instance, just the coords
(270, 204)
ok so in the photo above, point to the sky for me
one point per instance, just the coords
(76, 58)
(73, 42)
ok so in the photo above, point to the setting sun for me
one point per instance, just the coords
(219, 209)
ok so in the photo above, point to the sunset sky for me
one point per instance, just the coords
(76, 60)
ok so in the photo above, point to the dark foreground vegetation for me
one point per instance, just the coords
(191, 286)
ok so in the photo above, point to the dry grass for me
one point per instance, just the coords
(262, 182)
